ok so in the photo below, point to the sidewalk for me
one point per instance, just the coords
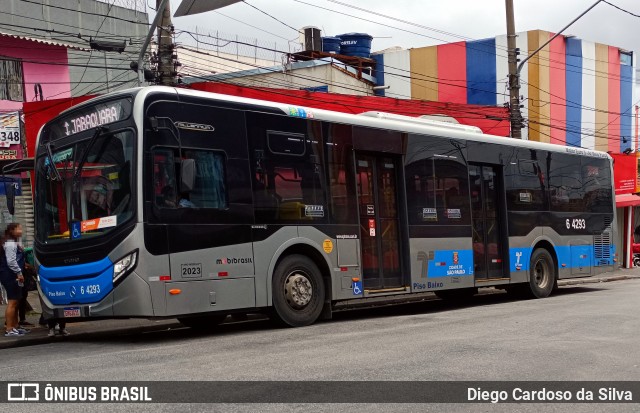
(38, 334)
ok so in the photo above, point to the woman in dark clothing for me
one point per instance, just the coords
(11, 277)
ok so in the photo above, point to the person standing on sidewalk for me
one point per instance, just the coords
(11, 267)
(62, 327)
(23, 304)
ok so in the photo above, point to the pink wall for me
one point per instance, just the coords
(452, 72)
(54, 78)
(558, 90)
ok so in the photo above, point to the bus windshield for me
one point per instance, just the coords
(93, 200)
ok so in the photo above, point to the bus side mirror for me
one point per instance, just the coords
(10, 190)
(187, 175)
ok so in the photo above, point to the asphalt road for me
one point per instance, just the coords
(587, 332)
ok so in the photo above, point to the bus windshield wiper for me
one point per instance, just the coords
(75, 207)
(57, 176)
(85, 153)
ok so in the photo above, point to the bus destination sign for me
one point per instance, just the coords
(91, 117)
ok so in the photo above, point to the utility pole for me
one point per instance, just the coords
(166, 61)
(514, 74)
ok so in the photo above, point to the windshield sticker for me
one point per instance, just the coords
(62, 155)
(429, 214)
(75, 230)
(454, 214)
(99, 223)
(525, 197)
(314, 211)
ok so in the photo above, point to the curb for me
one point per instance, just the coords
(578, 281)
(33, 341)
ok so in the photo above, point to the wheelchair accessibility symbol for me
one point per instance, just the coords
(75, 230)
(357, 288)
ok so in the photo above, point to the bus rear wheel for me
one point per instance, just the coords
(203, 322)
(298, 291)
(542, 274)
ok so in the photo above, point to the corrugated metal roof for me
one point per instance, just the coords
(45, 41)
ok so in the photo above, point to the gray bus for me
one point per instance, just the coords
(163, 202)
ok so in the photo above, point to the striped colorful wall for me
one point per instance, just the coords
(575, 92)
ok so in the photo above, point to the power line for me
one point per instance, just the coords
(274, 18)
(86, 12)
(621, 9)
(466, 46)
(323, 81)
(252, 26)
(343, 86)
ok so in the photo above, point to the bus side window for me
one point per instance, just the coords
(288, 177)
(210, 189)
(164, 178)
(437, 192)
(525, 186)
(596, 178)
(565, 183)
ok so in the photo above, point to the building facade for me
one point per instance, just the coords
(77, 23)
(575, 92)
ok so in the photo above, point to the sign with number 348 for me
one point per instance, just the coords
(9, 129)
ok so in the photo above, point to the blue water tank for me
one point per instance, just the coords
(356, 44)
(331, 44)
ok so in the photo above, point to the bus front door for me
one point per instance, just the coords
(487, 221)
(377, 184)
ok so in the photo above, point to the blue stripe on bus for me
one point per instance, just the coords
(77, 284)
(448, 263)
(571, 256)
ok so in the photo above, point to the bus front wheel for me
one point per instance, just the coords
(542, 274)
(298, 291)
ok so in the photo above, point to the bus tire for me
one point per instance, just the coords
(298, 291)
(203, 322)
(542, 274)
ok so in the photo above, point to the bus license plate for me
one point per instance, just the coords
(71, 312)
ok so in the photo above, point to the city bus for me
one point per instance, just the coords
(161, 202)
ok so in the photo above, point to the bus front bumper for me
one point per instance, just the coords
(130, 298)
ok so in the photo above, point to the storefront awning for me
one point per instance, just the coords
(626, 200)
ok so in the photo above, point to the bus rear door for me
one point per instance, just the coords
(377, 186)
(488, 223)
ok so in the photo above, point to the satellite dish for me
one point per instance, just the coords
(189, 7)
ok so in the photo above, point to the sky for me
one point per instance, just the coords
(474, 19)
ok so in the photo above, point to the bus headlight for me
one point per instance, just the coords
(125, 265)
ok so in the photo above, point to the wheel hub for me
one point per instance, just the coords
(298, 290)
(541, 273)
